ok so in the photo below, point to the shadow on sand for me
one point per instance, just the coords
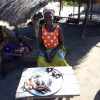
(8, 86)
(76, 47)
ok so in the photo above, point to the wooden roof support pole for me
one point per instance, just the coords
(91, 10)
(16, 30)
(73, 11)
(85, 20)
(79, 10)
(61, 4)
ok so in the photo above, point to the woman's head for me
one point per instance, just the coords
(48, 15)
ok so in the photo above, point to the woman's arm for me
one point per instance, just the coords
(41, 45)
(61, 42)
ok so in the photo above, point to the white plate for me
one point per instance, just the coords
(54, 83)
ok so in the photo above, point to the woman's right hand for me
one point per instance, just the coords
(48, 58)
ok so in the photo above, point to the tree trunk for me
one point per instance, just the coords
(85, 20)
(61, 4)
(73, 11)
(79, 10)
(91, 11)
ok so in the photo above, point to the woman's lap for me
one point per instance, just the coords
(58, 60)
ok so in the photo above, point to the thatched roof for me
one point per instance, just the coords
(18, 11)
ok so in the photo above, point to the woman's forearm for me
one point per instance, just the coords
(54, 51)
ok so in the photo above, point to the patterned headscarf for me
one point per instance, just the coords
(49, 10)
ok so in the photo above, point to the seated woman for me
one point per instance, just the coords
(52, 51)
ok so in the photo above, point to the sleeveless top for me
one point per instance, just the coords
(50, 39)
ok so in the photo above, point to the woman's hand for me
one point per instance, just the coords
(52, 53)
(48, 58)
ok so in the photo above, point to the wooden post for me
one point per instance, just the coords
(61, 4)
(85, 20)
(79, 10)
(91, 10)
(73, 11)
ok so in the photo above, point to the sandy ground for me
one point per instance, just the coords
(83, 56)
(88, 75)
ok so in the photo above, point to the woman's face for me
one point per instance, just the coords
(48, 17)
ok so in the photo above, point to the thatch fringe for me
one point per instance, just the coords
(18, 11)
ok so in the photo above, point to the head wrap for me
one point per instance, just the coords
(49, 10)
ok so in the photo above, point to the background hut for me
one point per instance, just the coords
(89, 9)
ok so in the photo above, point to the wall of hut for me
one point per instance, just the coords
(95, 9)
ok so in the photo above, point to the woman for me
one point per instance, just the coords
(3, 42)
(52, 51)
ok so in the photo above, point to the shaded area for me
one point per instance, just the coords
(77, 48)
(25, 34)
(29, 35)
(9, 85)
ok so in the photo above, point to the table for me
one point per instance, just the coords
(70, 86)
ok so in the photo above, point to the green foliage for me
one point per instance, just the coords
(70, 3)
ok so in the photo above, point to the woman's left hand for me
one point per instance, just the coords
(49, 58)
(52, 54)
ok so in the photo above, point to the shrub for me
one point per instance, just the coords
(70, 3)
